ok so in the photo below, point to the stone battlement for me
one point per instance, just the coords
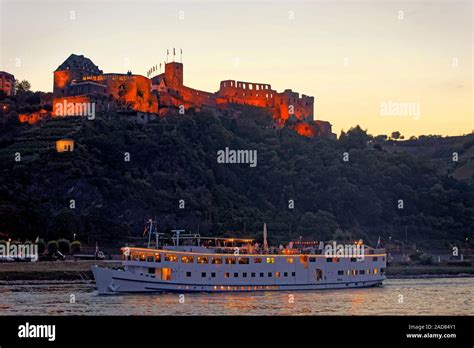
(78, 75)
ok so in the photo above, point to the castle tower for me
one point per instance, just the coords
(75, 67)
(174, 75)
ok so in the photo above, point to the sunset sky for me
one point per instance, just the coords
(352, 56)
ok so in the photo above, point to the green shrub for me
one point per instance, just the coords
(76, 247)
(52, 246)
(426, 259)
(41, 246)
(64, 246)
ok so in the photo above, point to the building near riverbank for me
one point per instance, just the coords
(65, 145)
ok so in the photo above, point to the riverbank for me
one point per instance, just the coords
(427, 271)
(81, 270)
(51, 270)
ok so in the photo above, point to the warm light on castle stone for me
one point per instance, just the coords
(79, 80)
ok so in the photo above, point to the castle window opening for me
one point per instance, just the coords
(250, 86)
(256, 87)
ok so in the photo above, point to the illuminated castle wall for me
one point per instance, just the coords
(262, 95)
(73, 69)
(7, 83)
(79, 77)
(172, 91)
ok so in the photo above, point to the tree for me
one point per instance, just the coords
(395, 135)
(22, 86)
(76, 247)
(52, 246)
(64, 246)
(380, 138)
(355, 138)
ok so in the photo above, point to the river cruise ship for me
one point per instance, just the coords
(191, 263)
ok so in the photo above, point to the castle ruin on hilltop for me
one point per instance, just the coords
(79, 80)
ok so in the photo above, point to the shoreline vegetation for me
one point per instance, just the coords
(320, 189)
(70, 271)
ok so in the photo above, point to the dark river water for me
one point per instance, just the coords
(435, 296)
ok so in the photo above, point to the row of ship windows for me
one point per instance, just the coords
(244, 274)
(360, 272)
(204, 259)
(165, 273)
(229, 260)
(353, 259)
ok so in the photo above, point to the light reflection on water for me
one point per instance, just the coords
(439, 296)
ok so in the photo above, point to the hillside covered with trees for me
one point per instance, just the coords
(347, 189)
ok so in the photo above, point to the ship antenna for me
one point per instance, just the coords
(150, 231)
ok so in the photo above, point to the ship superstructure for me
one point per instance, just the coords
(190, 263)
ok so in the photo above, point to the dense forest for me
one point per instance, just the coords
(351, 188)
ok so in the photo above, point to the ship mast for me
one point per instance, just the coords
(265, 242)
(151, 228)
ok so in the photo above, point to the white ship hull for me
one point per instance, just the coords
(109, 281)
(152, 270)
